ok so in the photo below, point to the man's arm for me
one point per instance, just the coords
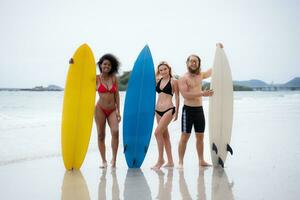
(207, 73)
(184, 90)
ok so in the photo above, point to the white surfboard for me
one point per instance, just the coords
(220, 109)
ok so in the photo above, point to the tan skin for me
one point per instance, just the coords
(190, 87)
(108, 101)
(164, 102)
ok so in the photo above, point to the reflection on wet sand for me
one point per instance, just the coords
(115, 191)
(221, 188)
(115, 186)
(165, 189)
(183, 188)
(201, 185)
(102, 185)
(136, 186)
(74, 186)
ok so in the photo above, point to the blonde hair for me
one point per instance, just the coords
(166, 64)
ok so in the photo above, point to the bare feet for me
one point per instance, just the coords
(104, 165)
(158, 165)
(113, 164)
(204, 164)
(180, 166)
(169, 165)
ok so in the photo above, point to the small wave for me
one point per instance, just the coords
(21, 126)
(19, 160)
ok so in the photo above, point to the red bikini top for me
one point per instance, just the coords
(103, 89)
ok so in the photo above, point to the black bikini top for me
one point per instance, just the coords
(167, 89)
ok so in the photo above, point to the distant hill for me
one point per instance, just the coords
(293, 83)
(54, 88)
(251, 83)
(123, 80)
(248, 85)
(206, 85)
(41, 88)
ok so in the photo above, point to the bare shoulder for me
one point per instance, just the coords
(183, 78)
(114, 78)
(174, 81)
(157, 79)
(97, 78)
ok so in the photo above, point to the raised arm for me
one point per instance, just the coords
(207, 73)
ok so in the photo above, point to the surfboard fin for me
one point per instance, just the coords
(214, 148)
(229, 149)
(221, 162)
(133, 162)
(125, 147)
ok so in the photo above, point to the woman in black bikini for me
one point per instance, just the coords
(165, 112)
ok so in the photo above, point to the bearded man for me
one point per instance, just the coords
(190, 87)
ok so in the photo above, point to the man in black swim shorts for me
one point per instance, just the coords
(190, 87)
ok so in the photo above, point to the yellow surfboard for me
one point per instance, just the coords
(78, 107)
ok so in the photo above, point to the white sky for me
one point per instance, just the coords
(37, 38)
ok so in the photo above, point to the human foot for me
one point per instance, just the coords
(169, 165)
(203, 163)
(104, 165)
(180, 166)
(158, 165)
(113, 164)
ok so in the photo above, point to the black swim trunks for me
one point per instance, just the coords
(192, 116)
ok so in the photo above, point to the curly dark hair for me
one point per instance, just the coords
(115, 64)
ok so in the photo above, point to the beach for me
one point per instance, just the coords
(265, 142)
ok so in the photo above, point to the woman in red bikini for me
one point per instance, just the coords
(165, 111)
(108, 106)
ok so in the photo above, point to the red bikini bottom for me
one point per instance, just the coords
(106, 112)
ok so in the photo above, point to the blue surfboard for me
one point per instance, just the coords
(139, 109)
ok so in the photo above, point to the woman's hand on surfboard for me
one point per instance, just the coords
(118, 117)
(176, 115)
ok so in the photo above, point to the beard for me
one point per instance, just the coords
(194, 71)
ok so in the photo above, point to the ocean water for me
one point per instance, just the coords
(265, 141)
(30, 123)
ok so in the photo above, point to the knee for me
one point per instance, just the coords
(184, 139)
(157, 133)
(166, 136)
(101, 138)
(199, 138)
(115, 133)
